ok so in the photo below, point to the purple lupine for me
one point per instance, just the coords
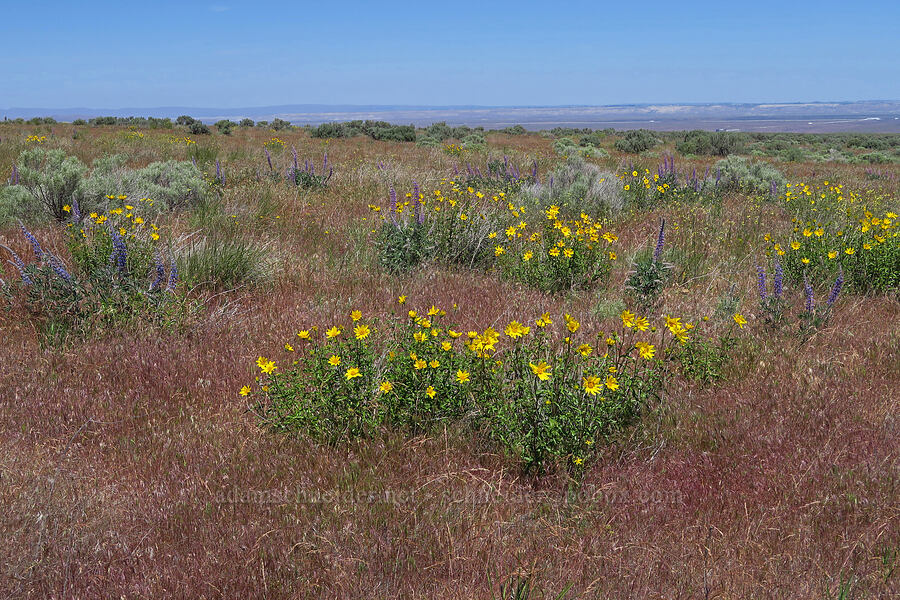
(120, 252)
(269, 159)
(194, 161)
(173, 278)
(59, 269)
(35, 246)
(810, 304)
(534, 170)
(718, 175)
(160, 273)
(218, 170)
(76, 212)
(14, 177)
(660, 241)
(325, 163)
(773, 188)
(761, 282)
(294, 154)
(20, 266)
(836, 288)
(777, 285)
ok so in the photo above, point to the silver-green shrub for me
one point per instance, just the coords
(577, 186)
(51, 177)
(17, 204)
(171, 184)
(736, 172)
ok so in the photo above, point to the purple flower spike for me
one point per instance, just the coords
(173, 278)
(761, 282)
(294, 154)
(120, 253)
(810, 304)
(38, 253)
(660, 241)
(20, 266)
(836, 289)
(160, 269)
(59, 269)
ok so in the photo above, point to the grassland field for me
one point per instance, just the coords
(638, 409)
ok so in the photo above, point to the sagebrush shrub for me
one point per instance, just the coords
(172, 185)
(51, 177)
(636, 141)
(577, 187)
(736, 172)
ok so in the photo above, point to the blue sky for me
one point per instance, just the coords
(233, 54)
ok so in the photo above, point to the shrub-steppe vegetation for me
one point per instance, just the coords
(249, 359)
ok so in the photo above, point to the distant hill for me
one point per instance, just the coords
(867, 116)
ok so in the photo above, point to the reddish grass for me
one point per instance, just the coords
(129, 466)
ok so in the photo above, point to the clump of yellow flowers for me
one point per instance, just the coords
(545, 389)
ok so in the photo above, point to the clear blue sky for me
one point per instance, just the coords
(229, 54)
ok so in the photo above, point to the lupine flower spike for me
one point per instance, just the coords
(761, 282)
(35, 246)
(810, 304)
(836, 288)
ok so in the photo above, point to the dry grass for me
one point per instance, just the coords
(130, 467)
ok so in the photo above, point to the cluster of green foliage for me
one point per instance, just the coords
(377, 130)
(842, 232)
(738, 173)
(539, 397)
(117, 281)
(172, 185)
(566, 146)
(558, 255)
(225, 126)
(712, 143)
(576, 186)
(150, 122)
(52, 178)
(636, 141)
(407, 241)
